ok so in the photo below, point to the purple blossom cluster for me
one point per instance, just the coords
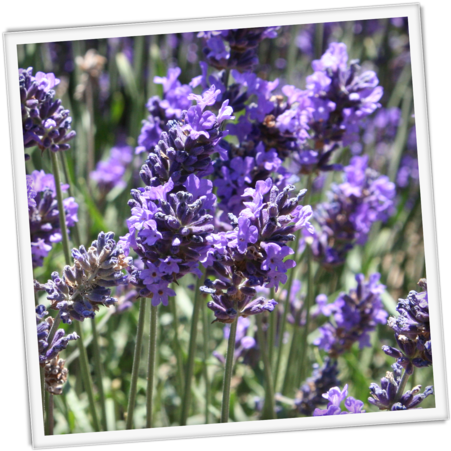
(46, 124)
(253, 254)
(354, 206)
(351, 316)
(323, 379)
(236, 48)
(43, 214)
(246, 348)
(48, 351)
(335, 397)
(174, 102)
(187, 146)
(389, 395)
(412, 331)
(169, 231)
(55, 374)
(83, 287)
(109, 173)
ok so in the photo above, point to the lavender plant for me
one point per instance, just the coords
(44, 216)
(46, 124)
(352, 316)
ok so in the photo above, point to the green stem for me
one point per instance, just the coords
(86, 376)
(228, 373)
(70, 182)
(151, 367)
(135, 368)
(191, 352)
(99, 373)
(42, 373)
(177, 348)
(402, 386)
(49, 414)
(269, 409)
(61, 211)
(206, 341)
(308, 302)
(271, 331)
(56, 322)
(286, 307)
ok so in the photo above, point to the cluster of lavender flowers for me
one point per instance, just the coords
(109, 173)
(46, 124)
(55, 374)
(413, 337)
(236, 48)
(310, 396)
(43, 214)
(83, 287)
(252, 254)
(352, 316)
(390, 394)
(354, 206)
(412, 331)
(335, 396)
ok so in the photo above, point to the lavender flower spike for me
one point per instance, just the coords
(46, 124)
(79, 291)
(251, 255)
(354, 314)
(335, 396)
(55, 374)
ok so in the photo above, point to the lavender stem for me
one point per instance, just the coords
(151, 367)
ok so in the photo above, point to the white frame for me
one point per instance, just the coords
(412, 11)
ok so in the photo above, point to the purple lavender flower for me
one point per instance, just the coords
(175, 101)
(335, 396)
(310, 396)
(168, 230)
(248, 256)
(79, 291)
(412, 331)
(235, 49)
(109, 174)
(363, 198)
(354, 316)
(187, 146)
(43, 214)
(46, 124)
(55, 375)
(387, 396)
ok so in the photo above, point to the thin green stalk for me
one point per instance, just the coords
(228, 373)
(56, 323)
(50, 418)
(206, 341)
(177, 348)
(191, 352)
(402, 386)
(135, 368)
(99, 373)
(151, 367)
(42, 373)
(86, 376)
(286, 307)
(48, 428)
(308, 302)
(269, 411)
(62, 213)
(271, 331)
(69, 181)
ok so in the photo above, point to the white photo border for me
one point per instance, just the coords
(412, 11)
